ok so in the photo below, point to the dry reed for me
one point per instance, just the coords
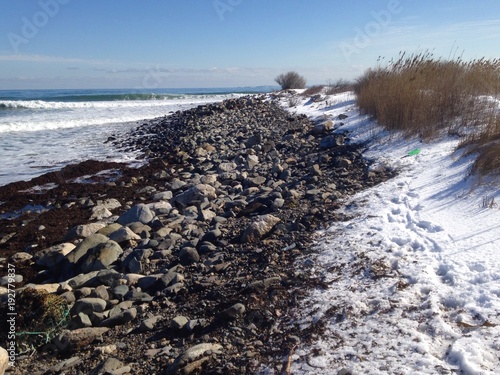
(427, 97)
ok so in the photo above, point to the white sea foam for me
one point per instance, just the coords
(35, 115)
(38, 136)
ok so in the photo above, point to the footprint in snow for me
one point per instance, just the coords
(429, 227)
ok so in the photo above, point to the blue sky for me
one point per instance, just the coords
(227, 43)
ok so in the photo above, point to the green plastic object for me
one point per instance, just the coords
(414, 152)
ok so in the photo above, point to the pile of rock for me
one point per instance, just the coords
(201, 270)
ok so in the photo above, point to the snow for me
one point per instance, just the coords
(413, 277)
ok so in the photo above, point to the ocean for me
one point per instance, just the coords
(44, 130)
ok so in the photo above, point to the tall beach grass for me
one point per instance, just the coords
(428, 97)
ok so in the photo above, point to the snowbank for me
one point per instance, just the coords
(414, 275)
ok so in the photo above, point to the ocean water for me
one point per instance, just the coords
(44, 130)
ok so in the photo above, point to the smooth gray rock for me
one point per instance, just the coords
(107, 366)
(84, 246)
(81, 320)
(123, 234)
(179, 322)
(191, 355)
(196, 193)
(100, 292)
(104, 277)
(233, 312)
(100, 213)
(162, 196)
(149, 324)
(140, 212)
(108, 229)
(160, 208)
(100, 256)
(81, 279)
(138, 296)
(120, 291)
(251, 161)
(51, 256)
(211, 236)
(87, 305)
(120, 319)
(259, 228)
(83, 231)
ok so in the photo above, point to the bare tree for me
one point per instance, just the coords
(290, 80)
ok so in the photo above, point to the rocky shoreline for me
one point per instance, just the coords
(193, 263)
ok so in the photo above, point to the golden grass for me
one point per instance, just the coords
(313, 90)
(338, 86)
(427, 97)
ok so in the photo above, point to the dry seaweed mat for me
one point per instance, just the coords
(40, 317)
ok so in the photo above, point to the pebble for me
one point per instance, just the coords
(223, 216)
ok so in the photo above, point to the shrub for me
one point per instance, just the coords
(290, 80)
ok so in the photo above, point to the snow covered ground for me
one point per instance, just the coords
(413, 277)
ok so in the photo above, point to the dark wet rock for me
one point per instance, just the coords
(110, 366)
(120, 319)
(149, 324)
(211, 236)
(188, 255)
(138, 296)
(233, 312)
(332, 141)
(81, 320)
(65, 365)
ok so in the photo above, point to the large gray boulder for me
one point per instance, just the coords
(83, 231)
(88, 243)
(140, 212)
(100, 257)
(196, 193)
(51, 256)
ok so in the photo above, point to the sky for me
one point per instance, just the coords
(59, 44)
